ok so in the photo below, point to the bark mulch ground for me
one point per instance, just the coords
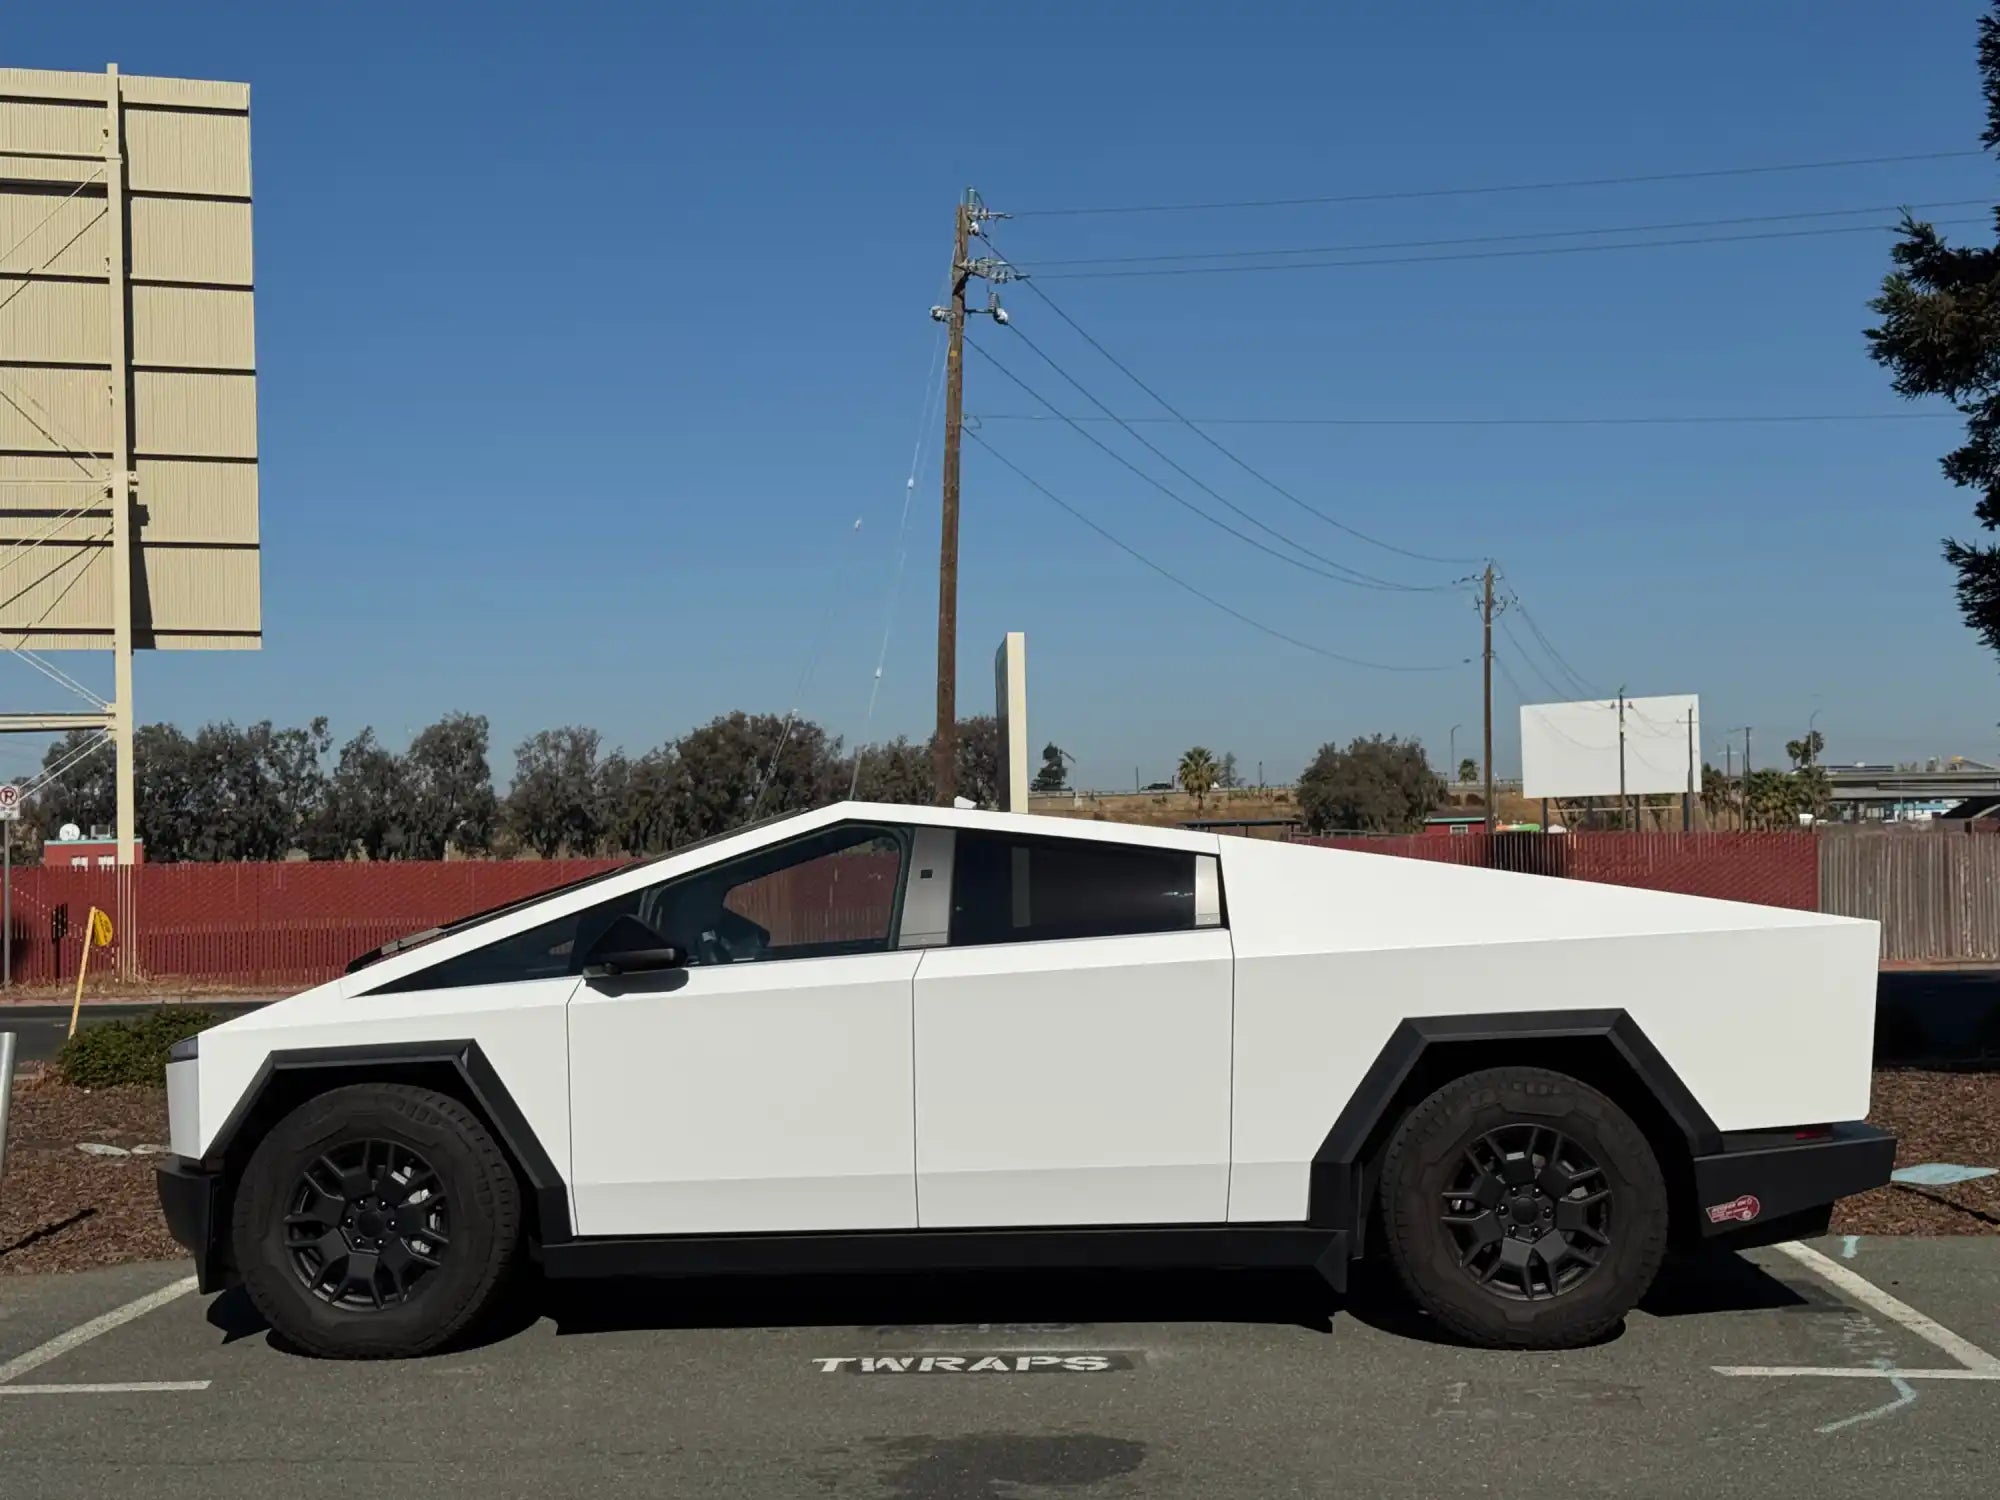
(1937, 1117)
(62, 1209)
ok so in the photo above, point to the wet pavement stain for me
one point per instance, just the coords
(998, 1466)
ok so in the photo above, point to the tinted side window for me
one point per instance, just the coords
(823, 896)
(826, 895)
(1007, 889)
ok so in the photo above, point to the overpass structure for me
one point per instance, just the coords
(1858, 791)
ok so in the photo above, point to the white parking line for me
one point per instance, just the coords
(1851, 1372)
(112, 1388)
(1871, 1296)
(83, 1333)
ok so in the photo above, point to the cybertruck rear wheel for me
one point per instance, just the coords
(1523, 1209)
(376, 1221)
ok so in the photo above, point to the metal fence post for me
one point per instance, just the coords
(6, 1092)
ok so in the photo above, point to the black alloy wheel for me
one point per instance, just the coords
(1523, 1208)
(1529, 1212)
(366, 1224)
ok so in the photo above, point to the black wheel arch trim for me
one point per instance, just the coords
(489, 1093)
(1337, 1195)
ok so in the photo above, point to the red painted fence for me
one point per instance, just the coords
(282, 926)
(1770, 869)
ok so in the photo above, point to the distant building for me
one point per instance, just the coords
(97, 852)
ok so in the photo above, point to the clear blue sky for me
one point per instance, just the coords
(587, 333)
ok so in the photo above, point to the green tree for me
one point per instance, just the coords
(1468, 771)
(297, 758)
(367, 804)
(1939, 335)
(1812, 792)
(1052, 777)
(1379, 784)
(1197, 774)
(1718, 792)
(451, 800)
(226, 793)
(978, 759)
(742, 766)
(897, 771)
(1227, 777)
(554, 806)
(638, 798)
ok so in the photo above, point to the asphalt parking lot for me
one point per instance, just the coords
(113, 1383)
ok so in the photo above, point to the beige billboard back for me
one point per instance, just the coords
(151, 331)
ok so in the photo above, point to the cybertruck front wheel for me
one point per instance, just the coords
(376, 1221)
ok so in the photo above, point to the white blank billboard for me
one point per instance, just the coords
(1571, 750)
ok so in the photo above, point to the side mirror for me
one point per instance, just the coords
(629, 946)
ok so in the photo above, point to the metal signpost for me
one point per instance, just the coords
(6, 1091)
(10, 814)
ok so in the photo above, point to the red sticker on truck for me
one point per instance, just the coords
(1741, 1210)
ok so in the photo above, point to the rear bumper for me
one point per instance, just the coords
(1769, 1185)
(191, 1200)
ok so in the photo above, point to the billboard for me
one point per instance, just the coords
(128, 367)
(1573, 750)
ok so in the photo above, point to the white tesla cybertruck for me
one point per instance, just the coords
(873, 1037)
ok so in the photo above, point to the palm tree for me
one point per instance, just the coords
(1197, 774)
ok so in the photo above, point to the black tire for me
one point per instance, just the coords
(444, 1213)
(1539, 1286)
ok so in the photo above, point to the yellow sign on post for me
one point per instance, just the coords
(96, 934)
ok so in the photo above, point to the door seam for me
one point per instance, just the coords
(916, 1177)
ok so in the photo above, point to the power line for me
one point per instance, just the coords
(1420, 260)
(1358, 580)
(1228, 453)
(1205, 488)
(1181, 582)
(1695, 419)
(1532, 665)
(1562, 662)
(1521, 699)
(933, 392)
(1520, 694)
(1501, 239)
(1555, 185)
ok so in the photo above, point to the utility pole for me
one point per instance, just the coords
(1624, 805)
(967, 218)
(944, 744)
(1486, 673)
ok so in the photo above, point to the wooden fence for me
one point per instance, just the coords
(1936, 894)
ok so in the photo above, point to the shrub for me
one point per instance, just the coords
(129, 1052)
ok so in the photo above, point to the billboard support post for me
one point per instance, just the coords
(1624, 804)
(119, 480)
(1487, 689)
(1687, 797)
